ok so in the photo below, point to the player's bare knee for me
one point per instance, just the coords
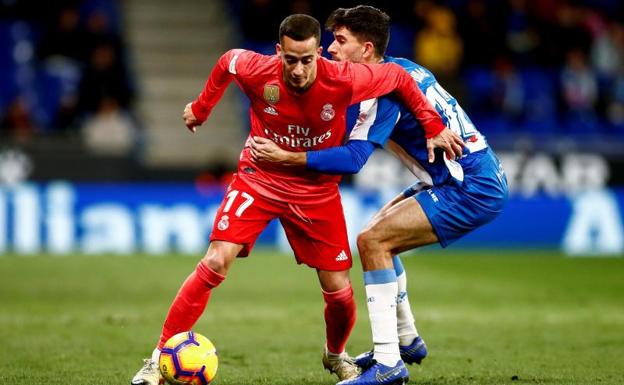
(216, 263)
(368, 243)
(216, 260)
(220, 256)
(332, 281)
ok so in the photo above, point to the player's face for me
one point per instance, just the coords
(299, 62)
(347, 47)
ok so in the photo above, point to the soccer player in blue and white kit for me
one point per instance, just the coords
(451, 197)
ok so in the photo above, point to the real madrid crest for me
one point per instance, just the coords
(224, 223)
(271, 93)
(328, 113)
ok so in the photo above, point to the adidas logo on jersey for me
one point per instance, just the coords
(270, 110)
(342, 256)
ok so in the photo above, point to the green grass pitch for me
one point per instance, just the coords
(522, 318)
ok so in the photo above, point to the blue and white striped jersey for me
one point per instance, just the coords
(387, 123)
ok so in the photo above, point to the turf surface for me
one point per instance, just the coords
(519, 318)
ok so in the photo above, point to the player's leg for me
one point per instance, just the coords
(440, 214)
(239, 221)
(412, 347)
(409, 340)
(318, 237)
(190, 302)
(407, 193)
(400, 226)
(340, 310)
(403, 226)
(193, 296)
(340, 315)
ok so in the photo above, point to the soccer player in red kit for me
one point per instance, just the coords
(299, 100)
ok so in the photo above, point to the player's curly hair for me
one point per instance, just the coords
(366, 23)
(300, 27)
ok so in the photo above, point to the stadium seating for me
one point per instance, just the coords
(45, 84)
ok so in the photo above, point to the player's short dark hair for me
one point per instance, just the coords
(300, 27)
(366, 23)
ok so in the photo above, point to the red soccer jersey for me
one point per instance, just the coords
(313, 120)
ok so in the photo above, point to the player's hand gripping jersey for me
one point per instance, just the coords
(313, 120)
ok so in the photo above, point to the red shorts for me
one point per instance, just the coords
(316, 232)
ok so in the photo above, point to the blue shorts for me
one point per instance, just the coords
(456, 209)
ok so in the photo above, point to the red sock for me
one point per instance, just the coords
(190, 302)
(339, 318)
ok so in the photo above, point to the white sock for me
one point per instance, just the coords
(406, 326)
(381, 291)
(156, 355)
(332, 357)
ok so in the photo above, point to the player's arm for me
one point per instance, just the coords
(373, 80)
(346, 159)
(196, 112)
(376, 119)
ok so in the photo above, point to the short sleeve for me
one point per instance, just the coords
(375, 120)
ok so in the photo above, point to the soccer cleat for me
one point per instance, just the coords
(380, 374)
(364, 360)
(149, 374)
(410, 354)
(415, 352)
(342, 365)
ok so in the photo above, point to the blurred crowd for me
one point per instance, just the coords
(536, 67)
(64, 71)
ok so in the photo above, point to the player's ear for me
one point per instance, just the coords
(368, 50)
(278, 49)
(319, 50)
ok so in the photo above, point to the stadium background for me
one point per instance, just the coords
(92, 92)
(98, 176)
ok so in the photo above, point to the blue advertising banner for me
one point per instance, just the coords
(585, 223)
(159, 218)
